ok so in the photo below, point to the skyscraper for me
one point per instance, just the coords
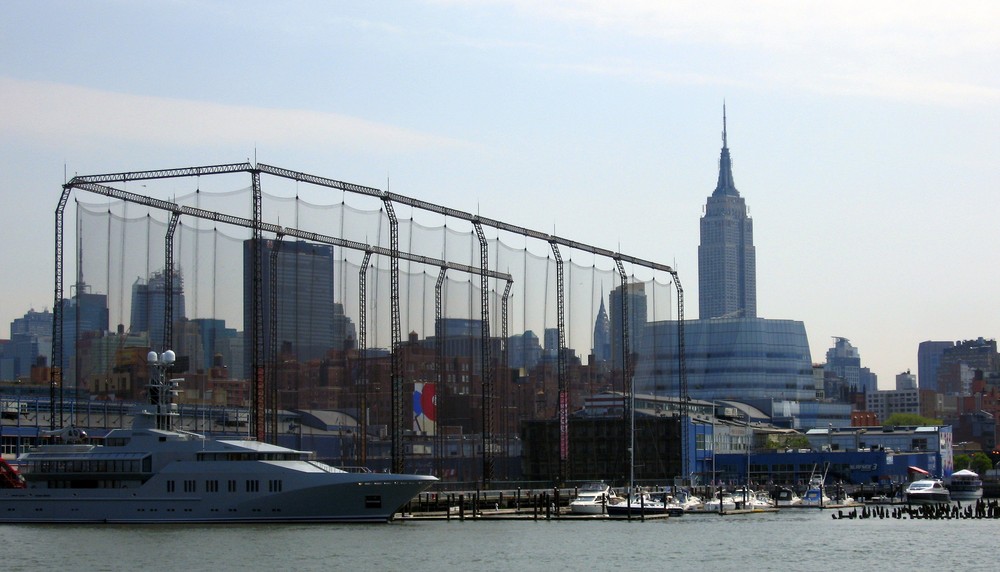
(304, 298)
(730, 353)
(149, 303)
(602, 334)
(960, 362)
(635, 298)
(928, 361)
(844, 361)
(30, 337)
(727, 283)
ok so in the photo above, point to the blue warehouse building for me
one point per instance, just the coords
(851, 455)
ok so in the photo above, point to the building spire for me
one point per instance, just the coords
(725, 186)
(724, 144)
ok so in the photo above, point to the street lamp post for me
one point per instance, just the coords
(17, 385)
(749, 437)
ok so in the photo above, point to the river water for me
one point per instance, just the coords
(802, 539)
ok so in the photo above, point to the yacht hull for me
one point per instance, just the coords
(932, 498)
(318, 497)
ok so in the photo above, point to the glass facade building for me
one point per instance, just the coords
(741, 359)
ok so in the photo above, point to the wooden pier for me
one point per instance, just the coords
(980, 509)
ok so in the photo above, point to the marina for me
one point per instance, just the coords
(555, 503)
(555, 544)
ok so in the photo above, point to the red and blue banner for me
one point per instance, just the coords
(424, 408)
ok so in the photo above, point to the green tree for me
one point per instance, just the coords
(910, 419)
(962, 461)
(981, 463)
(788, 441)
(978, 462)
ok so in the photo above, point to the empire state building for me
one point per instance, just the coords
(727, 268)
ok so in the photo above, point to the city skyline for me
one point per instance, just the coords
(863, 136)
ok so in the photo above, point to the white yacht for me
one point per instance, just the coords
(593, 498)
(152, 473)
(927, 491)
(965, 485)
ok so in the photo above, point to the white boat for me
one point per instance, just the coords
(750, 499)
(646, 503)
(880, 499)
(927, 491)
(722, 501)
(152, 473)
(687, 500)
(593, 498)
(785, 496)
(965, 485)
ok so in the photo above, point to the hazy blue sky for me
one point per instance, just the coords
(864, 135)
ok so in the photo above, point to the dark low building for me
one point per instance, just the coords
(597, 449)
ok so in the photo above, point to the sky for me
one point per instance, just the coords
(864, 135)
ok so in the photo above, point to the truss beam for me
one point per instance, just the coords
(164, 173)
(455, 213)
